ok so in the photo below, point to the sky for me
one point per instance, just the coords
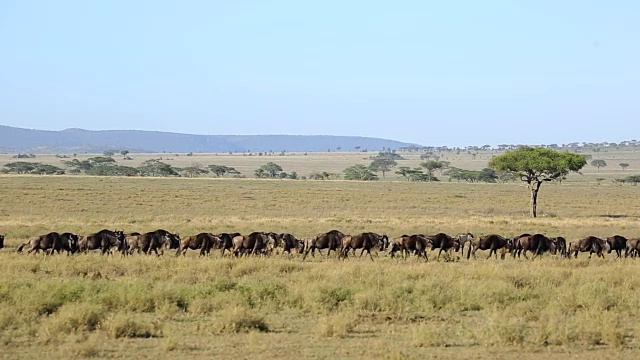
(452, 73)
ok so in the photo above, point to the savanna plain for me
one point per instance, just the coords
(88, 305)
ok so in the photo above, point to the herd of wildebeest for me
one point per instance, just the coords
(108, 242)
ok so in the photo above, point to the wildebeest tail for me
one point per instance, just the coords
(22, 246)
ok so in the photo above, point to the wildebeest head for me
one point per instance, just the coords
(384, 242)
(74, 242)
(1, 241)
(300, 245)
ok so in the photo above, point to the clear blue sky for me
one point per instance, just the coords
(430, 72)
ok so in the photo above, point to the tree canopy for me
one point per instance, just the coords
(382, 164)
(535, 165)
(269, 170)
(359, 172)
(222, 170)
(598, 163)
(432, 165)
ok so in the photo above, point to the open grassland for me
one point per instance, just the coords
(147, 307)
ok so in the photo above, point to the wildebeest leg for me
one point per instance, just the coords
(524, 252)
(491, 251)
(439, 252)
(304, 256)
(362, 252)
(369, 252)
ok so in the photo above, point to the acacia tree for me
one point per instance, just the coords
(624, 166)
(359, 172)
(598, 163)
(537, 165)
(432, 165)
(382, 164)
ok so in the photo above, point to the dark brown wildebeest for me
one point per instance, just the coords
(414, 244)
(150, 242)
(164, 240)
(44, 242)
(257, 243)
(633, 248)
(536, 243)
(52, 242)
(331, 240)
(1, 241)
(442, 241)
(561, 245)
(225, 242)
(103, 240)
(203, 241)
(617, 243)
(591, 244)
(288, 242)
(68, 242)
(513, 244)
(365, 241)
(492, 242)
(460, 240)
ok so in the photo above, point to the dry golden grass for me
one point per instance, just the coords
(323, 308)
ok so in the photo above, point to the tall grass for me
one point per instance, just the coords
(96, 306)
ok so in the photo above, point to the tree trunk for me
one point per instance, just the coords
(534, 198)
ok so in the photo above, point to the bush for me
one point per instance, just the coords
(239, 320)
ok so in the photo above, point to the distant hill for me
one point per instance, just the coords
(14, 140)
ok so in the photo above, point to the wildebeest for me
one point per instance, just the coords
(1, 241)
(442, 241)
(461, 239)
(287, 242)
(536, 243)
(365, 241)
(225, 242)
(160, 240)
(51, 242)
(591, 244)
(617, 243)
(163, 240)
(331, 240)
(413, 244)
(68, 242)
(256, 243)
(203, 242)
(103, 240)
(44, 242)
(492, 242)
(561, 245)
(633, 248)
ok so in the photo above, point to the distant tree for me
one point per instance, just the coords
(633, 179)
(101, 160)
(624, 166)
(108, 153)
(537, 165)
(222, 170)
(194, 170)
(382, 164)
(293, 175)
(269, 170)
(598, 163)
(21, 167)
(359, 172)
(404, 171)
(430, 166)
(155, 167)
(124, 153)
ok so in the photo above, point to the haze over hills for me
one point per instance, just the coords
(13, 139)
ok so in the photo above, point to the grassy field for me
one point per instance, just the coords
(146, 307)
